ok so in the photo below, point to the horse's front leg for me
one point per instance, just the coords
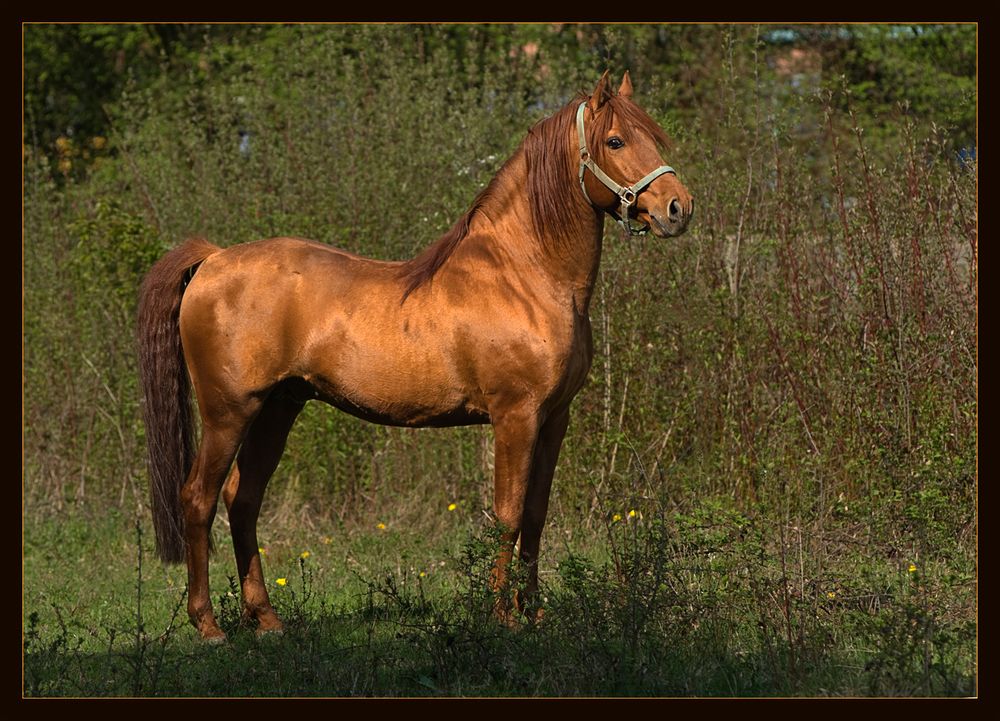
(515, 436)
(536, 505)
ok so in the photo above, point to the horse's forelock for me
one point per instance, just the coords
(630, 119)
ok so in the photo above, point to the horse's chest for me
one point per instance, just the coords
(574, 357)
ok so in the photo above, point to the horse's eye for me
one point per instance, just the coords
(614, 142)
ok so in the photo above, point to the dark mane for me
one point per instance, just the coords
(553, 191)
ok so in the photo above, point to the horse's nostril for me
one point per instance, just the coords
(674, 209)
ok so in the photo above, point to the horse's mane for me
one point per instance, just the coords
(553, 193)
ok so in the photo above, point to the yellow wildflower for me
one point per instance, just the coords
(912, 568)
(380, 526)
(261, 550)
(631, 514)
(615, 518)
(423, 575)
(304, 555)
(452, 506)
(281, 581)
(831, 594)
(327, 540)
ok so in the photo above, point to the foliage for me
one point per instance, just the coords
(929, 69)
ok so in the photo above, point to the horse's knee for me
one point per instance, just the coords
(242, 513)
(198, 514)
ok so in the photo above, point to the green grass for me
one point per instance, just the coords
(680, 604)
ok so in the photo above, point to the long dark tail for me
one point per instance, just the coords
(166, 390)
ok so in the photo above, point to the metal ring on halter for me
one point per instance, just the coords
(625, 193)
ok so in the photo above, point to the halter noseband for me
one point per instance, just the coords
(627, 194)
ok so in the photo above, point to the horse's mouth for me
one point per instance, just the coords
(652, 223)
(641, 226)
(668, 229)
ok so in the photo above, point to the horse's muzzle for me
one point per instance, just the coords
(673, 220)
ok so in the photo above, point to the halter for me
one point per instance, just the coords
(627, 194)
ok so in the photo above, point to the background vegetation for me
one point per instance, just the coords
(769, 482)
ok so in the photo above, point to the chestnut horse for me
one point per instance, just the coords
(489, 324)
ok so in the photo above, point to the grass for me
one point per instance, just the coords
(684, 604)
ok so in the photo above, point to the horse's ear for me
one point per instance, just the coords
(626, 88)
(601, 94)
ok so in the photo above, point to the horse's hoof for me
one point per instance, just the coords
(534, 616)
(276, 632)
(506, 617)
(529, 607)
(214, 639)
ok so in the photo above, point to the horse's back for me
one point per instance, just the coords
(271, 274)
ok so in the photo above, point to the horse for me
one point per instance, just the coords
(489, 324)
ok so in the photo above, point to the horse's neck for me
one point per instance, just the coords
(569, 259)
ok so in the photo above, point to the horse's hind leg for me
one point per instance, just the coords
(243, 494)
(199, 499)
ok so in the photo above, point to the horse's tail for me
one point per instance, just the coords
(166, 390)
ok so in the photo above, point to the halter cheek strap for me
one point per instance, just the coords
(626, 194)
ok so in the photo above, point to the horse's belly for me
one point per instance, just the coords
(398, 394)
(409, 416)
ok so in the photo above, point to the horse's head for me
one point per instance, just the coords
(621, 170)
